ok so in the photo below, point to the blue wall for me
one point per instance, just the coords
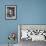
(28, 12)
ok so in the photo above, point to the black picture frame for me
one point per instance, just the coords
(10, 12)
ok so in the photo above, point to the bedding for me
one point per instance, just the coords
(27, 35)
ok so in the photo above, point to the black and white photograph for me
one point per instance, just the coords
(10, 12)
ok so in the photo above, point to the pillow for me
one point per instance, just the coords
(38, 38)
(24, 34)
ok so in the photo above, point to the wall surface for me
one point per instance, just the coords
(28, 12)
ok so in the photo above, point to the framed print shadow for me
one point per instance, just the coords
(10, 12)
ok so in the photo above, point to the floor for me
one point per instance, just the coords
(30, 43)
(7, 45)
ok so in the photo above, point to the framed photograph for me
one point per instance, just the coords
(10, 12)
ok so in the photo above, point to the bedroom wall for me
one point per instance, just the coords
(28, 12)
